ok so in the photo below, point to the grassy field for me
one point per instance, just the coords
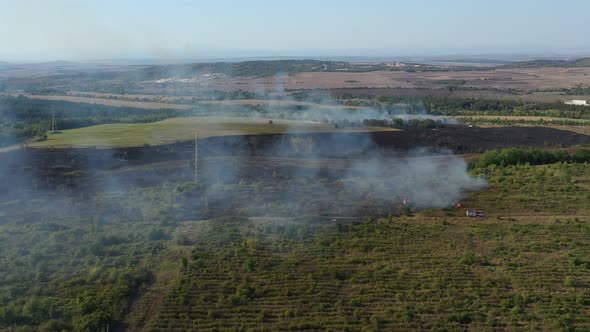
(171, 102)
(178, 129)
(114, 102)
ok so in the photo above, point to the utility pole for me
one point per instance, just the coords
(52, 119)
(197, 163)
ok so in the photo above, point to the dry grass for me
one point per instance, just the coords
(521, 79)
(112, 102)
(171, 102)
(585, 130)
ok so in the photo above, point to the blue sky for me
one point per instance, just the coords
(84, 29)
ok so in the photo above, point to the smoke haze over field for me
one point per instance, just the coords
(355, 116)
(370, 174)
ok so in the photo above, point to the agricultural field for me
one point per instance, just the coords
(520, 79)
(174, 103)
(542, 82)
(182, 129)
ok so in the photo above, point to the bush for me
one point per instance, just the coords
(250, 264)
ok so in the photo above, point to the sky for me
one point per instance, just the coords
(126, 29)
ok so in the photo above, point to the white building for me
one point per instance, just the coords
(578, 102)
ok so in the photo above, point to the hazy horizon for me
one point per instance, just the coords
(86, 30)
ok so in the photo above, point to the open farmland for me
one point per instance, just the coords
(112, 102)
(181, 129)
(180, 103)
(525, 79)
(541, 83)
(282, 99)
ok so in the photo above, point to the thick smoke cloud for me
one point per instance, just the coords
(334, 169)
(426, 179)
(366, 170)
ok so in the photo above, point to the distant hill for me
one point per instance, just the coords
(265, 68)
(251, 68)
(582, 62)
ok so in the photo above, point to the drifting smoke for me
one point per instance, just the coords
(343, 173)
(426, 179)
(362, 169)
(333, 114)
(358, 172)
(320, 108)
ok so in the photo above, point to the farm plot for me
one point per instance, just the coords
(387, 275)
(182, 129)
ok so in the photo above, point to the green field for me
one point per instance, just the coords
(377, 276)
(179, 129)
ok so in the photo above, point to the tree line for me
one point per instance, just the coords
(519, 156)
(22, 118)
